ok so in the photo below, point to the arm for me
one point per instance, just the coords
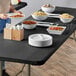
(12, 9)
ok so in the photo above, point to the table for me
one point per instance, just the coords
(21, 52)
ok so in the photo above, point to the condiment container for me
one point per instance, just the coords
(7, 33)
(14, 33)
(17, 34)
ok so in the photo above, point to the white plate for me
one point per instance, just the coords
(12, 14)
(56, 31)
(40, 40)
(26, 26)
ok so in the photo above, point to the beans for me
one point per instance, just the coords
(29, 22)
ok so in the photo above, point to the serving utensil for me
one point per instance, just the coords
(53, 15)
(45, 24)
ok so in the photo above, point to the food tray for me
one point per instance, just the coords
(58, 32)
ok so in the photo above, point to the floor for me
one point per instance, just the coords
(62, 63)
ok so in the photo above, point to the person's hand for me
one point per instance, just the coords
(18, 12)
(3, 16)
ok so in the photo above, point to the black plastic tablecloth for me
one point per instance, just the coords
(22, 52)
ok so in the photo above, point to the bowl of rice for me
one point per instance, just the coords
(39, 15)
(66, 18)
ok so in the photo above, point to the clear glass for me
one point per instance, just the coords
(14, 2)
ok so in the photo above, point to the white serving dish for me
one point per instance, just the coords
(40, 17)
(56, 31)
(26, 26)
(40, 40)
(13, 14)
(49, 9)
(66, 20)
(44, 17)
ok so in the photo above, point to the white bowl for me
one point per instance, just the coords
(66, 20)
(55, 31)
(37, 17)
(49, 9)
(40, 40)
(26, 26)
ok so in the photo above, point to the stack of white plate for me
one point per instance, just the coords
(40, 40)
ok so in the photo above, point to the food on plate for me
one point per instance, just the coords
(29, 22)
(56, 30)
(66, 15)
(48, 6)
(66, 18)
(15, 16)
(39, 13)
(59, 28)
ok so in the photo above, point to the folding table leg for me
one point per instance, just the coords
(0, 68)
(74, 36)
(28, 70)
